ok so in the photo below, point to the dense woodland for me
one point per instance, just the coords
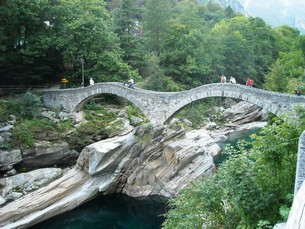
(166, 45)
(170, 46)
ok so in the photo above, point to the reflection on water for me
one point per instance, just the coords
(114, 211)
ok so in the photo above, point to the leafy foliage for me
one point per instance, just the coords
(95, 128)
(26, 107)
(42, 41)
(133, 111)
(30, 105)
(156, 18)
(286, 72)
(24, 132)
(250, 189)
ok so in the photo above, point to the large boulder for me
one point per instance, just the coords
(16, 186)
(167, 165)
(47, 154)
(9, 158)
(242, 113)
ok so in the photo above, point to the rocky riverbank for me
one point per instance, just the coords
(144, 161)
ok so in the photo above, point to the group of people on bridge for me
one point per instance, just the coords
(130, 83)
(223, 79)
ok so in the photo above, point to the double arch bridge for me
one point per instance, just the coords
(161, 107)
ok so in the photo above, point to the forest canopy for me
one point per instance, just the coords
(166, 45)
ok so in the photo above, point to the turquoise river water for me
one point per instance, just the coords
(114, 211)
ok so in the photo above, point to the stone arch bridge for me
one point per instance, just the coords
(161, 107)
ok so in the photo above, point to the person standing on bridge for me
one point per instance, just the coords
(91, 81)
(223, 79)
(249, 83)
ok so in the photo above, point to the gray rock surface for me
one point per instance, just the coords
(148, 162)
(6, 128)
(16, 186)
(47, 154)
(9, 158)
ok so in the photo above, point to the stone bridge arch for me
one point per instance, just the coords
(161, 107)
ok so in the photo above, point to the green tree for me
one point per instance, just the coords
(249, 48)
(250, 188)
(191, 55)
(25, 45)
(286, 37)
(129, 30)
(286, 72)
(87, 33)
(156, 22)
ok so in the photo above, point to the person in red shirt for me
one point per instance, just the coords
(249, 83)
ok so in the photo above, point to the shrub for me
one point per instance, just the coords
(3, 113)
(134, 111)
(30, 105)
(99, 113)
(197, 112)
(86, 134)
(22, 136)
(8, 107)
(23, 133)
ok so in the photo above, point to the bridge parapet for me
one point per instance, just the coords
(160, 107)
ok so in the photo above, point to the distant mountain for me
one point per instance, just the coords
(273, 12)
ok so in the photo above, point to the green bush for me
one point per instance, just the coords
(5, 146)
(8, 107)
(27, 106)
(86, 134)
(23, 133)
(64, 126)
(114, 128)
(3, 113)
(162, 83)
(30, 105)
(197, 112)
(22, 136)
(95, 112)
(136, 112)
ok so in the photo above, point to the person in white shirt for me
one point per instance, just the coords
(131, 83)
(91, 81)
(232, 80)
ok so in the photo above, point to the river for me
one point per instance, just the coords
(116, 211)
